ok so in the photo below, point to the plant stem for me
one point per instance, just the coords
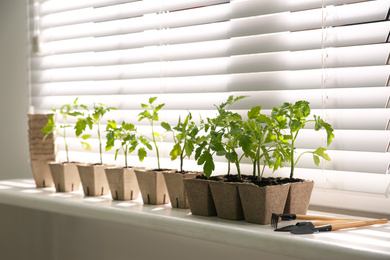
(292, 157)
(100, 144)
(125, 152)
(254, 167)
(258, 163)
(155, 145)
(66, 143)
(238, 169)
(182, 154)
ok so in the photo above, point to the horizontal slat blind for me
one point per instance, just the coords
(194, 54)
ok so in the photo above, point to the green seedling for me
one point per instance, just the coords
(185, 138)
(92, 118)
(151, 114)
(126, 134)
(224, 138)
(294, 118)
(51, 126)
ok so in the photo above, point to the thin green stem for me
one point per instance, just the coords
(292, 155)
(155, 144)
(125, 152)
(259, 176)
(238, 170)
(100, 143)
(66, 143)
(254, 167)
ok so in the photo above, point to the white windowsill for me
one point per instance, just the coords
(361, 243)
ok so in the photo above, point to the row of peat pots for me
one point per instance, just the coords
(219, 196)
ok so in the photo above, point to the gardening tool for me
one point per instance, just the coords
(309, 228)
(275, 218)
(289, 228)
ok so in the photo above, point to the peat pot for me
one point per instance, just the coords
(298, 198)
(199, 196)
(259, 203)
(152, 186)
(41, 173)
(176, 190)
(93, 178)
(122, 182)
(227, 200)
(65, 176)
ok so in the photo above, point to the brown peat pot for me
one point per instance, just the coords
(199, 197)
(123, 183)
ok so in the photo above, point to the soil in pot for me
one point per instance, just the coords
(226, 197)
(123, 183)
(66, 177)
(261, 199)
(199, 196)
(175, 186)
(152, 186)
(298, 198)
(93, 178)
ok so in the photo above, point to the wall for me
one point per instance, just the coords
(14, 153)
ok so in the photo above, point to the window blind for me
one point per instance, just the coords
(194, 54)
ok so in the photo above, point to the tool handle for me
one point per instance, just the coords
(311, 217)
(360, 223)
(332, 222)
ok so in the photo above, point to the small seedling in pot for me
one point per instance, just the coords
(151, 114)
(185, 138)
(51, 126)
(92, 118)
(126, 134)
(224, 138)
(263, 142)
(294, 118)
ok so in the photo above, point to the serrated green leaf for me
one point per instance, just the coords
(231, 157)
(189, 148)
(86, 146)
(208, 164)
(239, 98)
(144, 106)
(159, 107)
(80, 126)
(128, 127)
(111, 124)
(322, 153)
(152, 99)
(142, 154)
(175, 152)
(166, 126)
(85, 137)
(254, 112)
(316, 159)
(245, 143)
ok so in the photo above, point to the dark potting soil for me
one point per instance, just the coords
(273, 181)
(160, 170)
(184, 172)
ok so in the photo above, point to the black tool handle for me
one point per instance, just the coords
(306, 217)
(323, 228)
